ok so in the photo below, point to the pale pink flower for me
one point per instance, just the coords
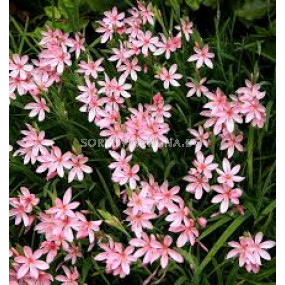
(146, 42)
(91, 68)
(201, 138)
(146, 12)
(166, 197)
(259, 248)
(178, 214)
(139, 221)
(226, 195)
(228, 116)
(197, 183)
(87, 228)
(166, 46)
(166, 252)
(39, 107)
(120, 55)
(76, 45)
(250, 91)
(30, 263)
(73, 253)
(130, 67)
(20, 212)
(140, 202)
(188, 232)
(106, 30)
(185, 27)
(197, 88)
(113, 18)
(28, 200)
(18, 66)
(59, 161)
(58, 57)
(253, 110)
(63, 208)
(228, 175)
(122, 160)
(127, 175)
(78, 168)
(205, 165)
(169, 77)
(202, 56)
(51, 249)
(144, 243)
(231, 142)
(70, 277)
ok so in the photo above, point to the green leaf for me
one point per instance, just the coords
(112, 221)
(253, 9)
(227, 233)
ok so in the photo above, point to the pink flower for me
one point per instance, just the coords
(229, 115)
(113, 18)
(166, 197)
(63, 208)
(205, 165)
(51, 249)
(139, 221)
(130, 67)
(169, 77)
(146, 42)
(186, 27)
(127, 175)
(197, 184)
(87, 228)
(178, 214)
(120, 55)
(228, 175)
(188, 233)
(225, 196)
(166, 46)
(38, 108)
(30, 263)
(231, 142)
(122, 160)
(77, 44)
(144, 243)
(117, 258)
(250, 91)
(197, 88)
(58, 161)
(146, 12)
(73, 253)
(140, 202)
(259, 248)
(78, 168)
(90, 67)
(18, 66)
(201, 138)
(202, 56)
(70, 278)
(250, 250)
(166, 251)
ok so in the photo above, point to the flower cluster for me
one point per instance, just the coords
(136, 50)
(58, 226)
(23, 207)
(35, 148)
(250, 251)
(36, 77)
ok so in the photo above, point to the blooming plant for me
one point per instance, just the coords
(144, 86)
